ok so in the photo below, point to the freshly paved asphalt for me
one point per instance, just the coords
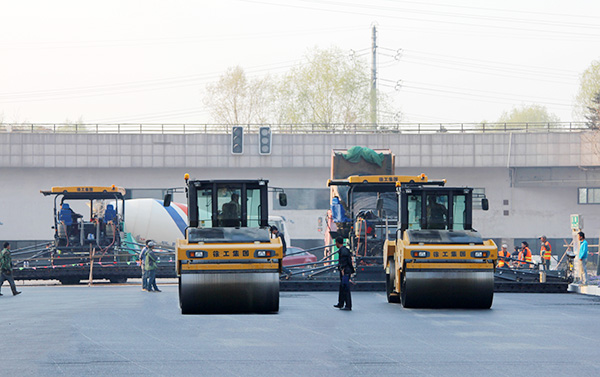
(121, 331)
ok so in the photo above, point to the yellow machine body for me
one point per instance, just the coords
(231, 256)
(228, 262)
(437, 259)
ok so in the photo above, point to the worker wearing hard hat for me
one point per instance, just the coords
(151, 266)
(502, 257)
(545, 252)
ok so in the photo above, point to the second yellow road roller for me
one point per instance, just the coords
(438, 260)
(228, 263)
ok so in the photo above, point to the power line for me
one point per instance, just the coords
(475, 97)
(481, 71)
(389, 16)
(128, 87)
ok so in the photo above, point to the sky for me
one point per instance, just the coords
(149, 61)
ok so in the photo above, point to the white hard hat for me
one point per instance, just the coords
(151, 244)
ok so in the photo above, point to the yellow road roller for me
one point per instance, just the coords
(228, 263)
(437, 259)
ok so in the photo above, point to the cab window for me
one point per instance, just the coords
(414, 212)
(459, 212)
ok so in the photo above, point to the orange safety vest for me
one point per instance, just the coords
(501, 260)
(528, 255)
(546, 250)
(525, 255)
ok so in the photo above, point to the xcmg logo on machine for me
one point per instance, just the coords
(230, 253)
(449, 254)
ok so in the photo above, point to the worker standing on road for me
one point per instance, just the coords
(151, 267)
(143, 264)
(525, 255)
(545, 253)
(502, 257)
(583, 255)
(6, 268)
(346, 269)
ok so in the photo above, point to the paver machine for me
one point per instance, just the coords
(363, 200)
(228, 263)
(438, 259)
(74, 233)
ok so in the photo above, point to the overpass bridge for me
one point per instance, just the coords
(535, 175)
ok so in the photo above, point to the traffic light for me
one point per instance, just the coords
(237, 140)
(264, 140)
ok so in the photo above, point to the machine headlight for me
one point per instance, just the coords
(419, 254)
(197, 254)
(480, 254)
(264, 253)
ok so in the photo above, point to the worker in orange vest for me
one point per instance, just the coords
(502, 257)
(545, 252)
(525, 255)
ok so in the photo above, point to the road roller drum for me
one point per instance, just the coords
(229, 292)
(447, 289)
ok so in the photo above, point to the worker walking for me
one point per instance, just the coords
(583, 255)
(503, 256)
(545, 253)
(346, 269)
(151, 266)
(6, 268)
(143, 253)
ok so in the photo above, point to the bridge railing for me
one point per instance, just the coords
(312, 128)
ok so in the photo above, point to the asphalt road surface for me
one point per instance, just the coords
(121, 331)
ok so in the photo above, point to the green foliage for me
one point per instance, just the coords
(589, 88)
(235, 99)
(328, 88)
(593, 113)
(528, 114)
(77, 126)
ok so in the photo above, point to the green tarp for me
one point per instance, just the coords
(354, 155)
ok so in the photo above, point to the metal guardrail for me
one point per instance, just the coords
(313, 128)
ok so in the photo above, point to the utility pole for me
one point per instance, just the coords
(374, 78)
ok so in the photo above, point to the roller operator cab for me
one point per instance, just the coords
(228, 262)
(438, 259)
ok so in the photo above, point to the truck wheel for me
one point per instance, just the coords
(389, 283)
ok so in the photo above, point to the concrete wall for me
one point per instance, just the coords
(538, 174)
(294, 150)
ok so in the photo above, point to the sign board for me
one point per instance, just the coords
(576, 222)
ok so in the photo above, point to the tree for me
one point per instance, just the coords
(529, 114)
(328, 88)
(235, 99)
(593, 113)
(589, 89)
